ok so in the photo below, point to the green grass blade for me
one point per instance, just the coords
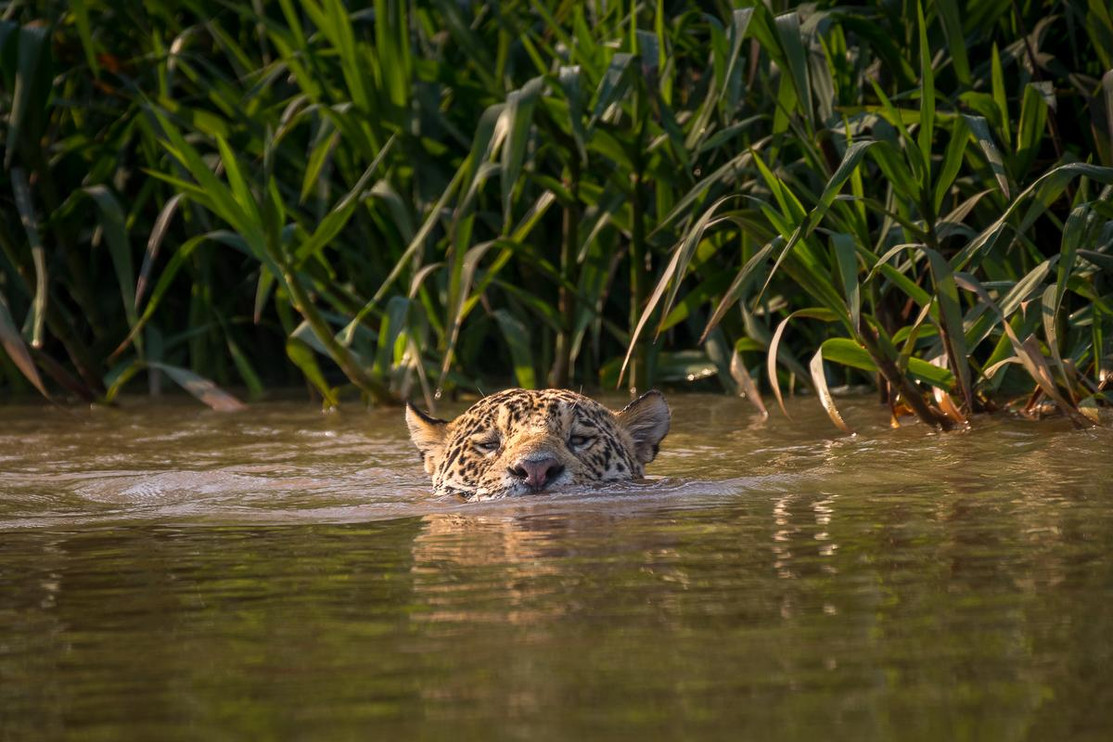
(728, 171)
(22, 193)
(85, 31)
(1074, 232)
(850, 162)
(1033, 123)
(570, 79)
(395, 320)
(328, 137)
(612, 87)
(1051, 333)
(951, 328)
(166, 279)
(459, 305)
(518, 116)
(672, 276)
(741, 283)
(436, 212)
(392, 47)
(792, 45)
(30, 97)
(341, 213)
(1044, 190)
(952, 163)
(517, 336)
(927, 96)
(116, 235)
(1000, 98)
(154, 243)
(984, 139)
(1029, 355)
(956, 41)
(12, 343)
(920, 172)
(846, 257)
(1022, 291)
(850, 353)
(118, 377)
(243, 363)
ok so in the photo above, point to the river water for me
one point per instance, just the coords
(171, 573)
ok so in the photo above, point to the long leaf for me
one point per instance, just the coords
(1029, 355)
(954, 336)
(846, 257)
(774, 348)
(201, 388)
(825, 398)
(980, 129)
(154, 243)
(115, 234)
(850, 353)
(673, 275)
(13, 345)
(850, 161)
(746, 383)
(31, 94)
(519, 115)
(22, 192)
(927, 96)
(516, 334)
(301, 354)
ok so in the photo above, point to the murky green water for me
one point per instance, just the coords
(169, 573)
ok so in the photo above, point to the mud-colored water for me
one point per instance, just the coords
(170, 573)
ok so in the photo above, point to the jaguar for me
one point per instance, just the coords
(520, 442)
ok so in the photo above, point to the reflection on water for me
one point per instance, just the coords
(175, 574)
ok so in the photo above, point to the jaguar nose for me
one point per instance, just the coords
(536, 473)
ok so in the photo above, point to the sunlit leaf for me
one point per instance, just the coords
(773, 354)
(825, 398)
(303, 357)
(201, 388)
(746, 383)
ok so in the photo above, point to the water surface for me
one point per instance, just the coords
(171, 573)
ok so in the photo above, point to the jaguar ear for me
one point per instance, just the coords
(428, 434)
(647, 420)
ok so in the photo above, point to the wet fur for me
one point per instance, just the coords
(528, 424)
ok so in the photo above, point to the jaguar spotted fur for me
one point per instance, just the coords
(519, 442)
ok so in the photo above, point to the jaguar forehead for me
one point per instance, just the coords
(503, 417)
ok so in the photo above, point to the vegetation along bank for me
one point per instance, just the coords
(405, 197)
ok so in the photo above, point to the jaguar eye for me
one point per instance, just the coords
(486, 445)
(580, 441)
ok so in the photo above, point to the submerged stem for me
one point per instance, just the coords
(907, 389)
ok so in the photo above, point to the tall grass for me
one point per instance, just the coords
(408, 198)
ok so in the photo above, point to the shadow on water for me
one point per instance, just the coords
(178, 574)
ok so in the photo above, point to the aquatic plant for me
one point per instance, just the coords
(409, 197)
(981, 242)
